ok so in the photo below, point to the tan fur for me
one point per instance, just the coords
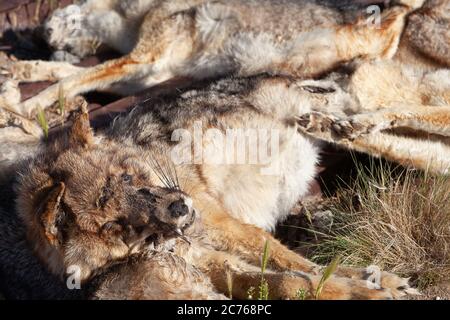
(76, 206)
(363, 105)
(428, 34)
(202, 39)
(217, 38)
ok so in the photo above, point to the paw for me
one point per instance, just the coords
(332, 126)
(11, 68)
(399, 286)
(20, 70)
(376, 279)
(316, 122)
(350, 289)
(349, 129)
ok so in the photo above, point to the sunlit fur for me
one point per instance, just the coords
(60, 192)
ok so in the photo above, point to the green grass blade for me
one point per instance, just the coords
(329, 270)
(264, 286)
(230, 284)
(265, 257)
(42, 121)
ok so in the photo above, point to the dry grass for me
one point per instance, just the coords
(400, 222)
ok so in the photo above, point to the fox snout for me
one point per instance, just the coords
(179, 214)
(178, 209)
(170, 210)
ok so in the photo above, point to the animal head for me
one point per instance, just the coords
(65, 30)
(87, 202)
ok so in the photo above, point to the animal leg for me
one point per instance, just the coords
(431, 119)
(248, 241)
(88, 79)
(36, 70)
(150, 63)
(407, 151)
(229, 234)
(222, 267)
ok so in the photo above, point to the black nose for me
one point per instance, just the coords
(178, 208)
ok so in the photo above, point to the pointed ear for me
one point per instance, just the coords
(51, 214)
(81, 133)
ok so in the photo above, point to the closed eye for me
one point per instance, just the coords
(320, 90)
(127, 178)
(112, 226)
